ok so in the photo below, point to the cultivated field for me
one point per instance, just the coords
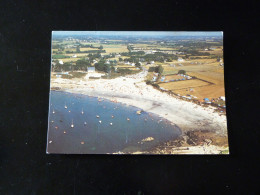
(186, 84)
(169, 77)
(88, 48)
(115, 48)
(70, 59)
(205, 69)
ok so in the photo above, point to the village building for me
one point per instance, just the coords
(180, 60)
(154, 78)
(60, 62)
(91, 69)
(222, 98)
(93, 74)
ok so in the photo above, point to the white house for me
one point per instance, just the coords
(180, 60)
(74, 56)
(222, 98)
(133, 64)
(91, 69)
(60, 62)
(154, 78)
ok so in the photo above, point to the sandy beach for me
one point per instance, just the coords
(132, 90)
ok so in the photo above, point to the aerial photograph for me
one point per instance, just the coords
(137, 92)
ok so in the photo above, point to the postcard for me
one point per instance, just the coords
(137, 92)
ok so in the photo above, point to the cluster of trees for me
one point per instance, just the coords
(90, 46)
(124, 71)
(158, 69)
(102, 66)
(62, 67)
(197, 44)
(138, 53)
(69, 66)
(181, 72)
(193, 52)
(89, 51)
(158, 56)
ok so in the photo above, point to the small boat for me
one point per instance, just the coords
(138, 112)
(82, 112)
(72, 125)
(53, 111)
(97, 116)
(111, 124)
(65, 106)
(128, 119)
(85, 123)
(100, 122)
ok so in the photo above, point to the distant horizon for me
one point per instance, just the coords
(140, 33)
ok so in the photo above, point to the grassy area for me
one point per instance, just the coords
(59, 56)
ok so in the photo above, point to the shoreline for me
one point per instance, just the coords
(187, 115)
(133, 91)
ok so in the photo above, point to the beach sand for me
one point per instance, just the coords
(132, 90)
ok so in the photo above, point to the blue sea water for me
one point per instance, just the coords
(101, 138)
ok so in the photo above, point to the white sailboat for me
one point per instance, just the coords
(72, 125)
(53, 111)
(65, 106)
(82, 112)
